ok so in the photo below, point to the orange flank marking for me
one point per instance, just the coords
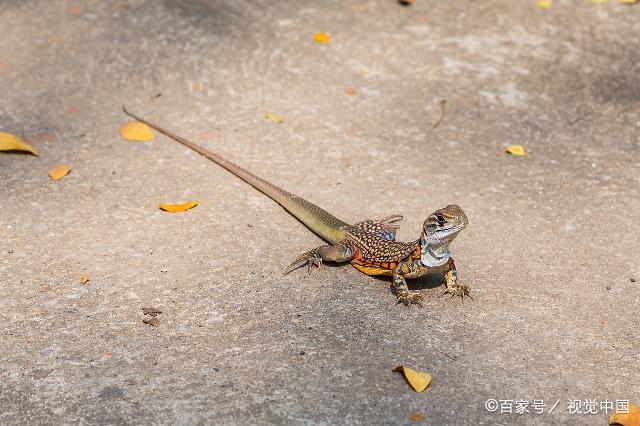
(372, 270)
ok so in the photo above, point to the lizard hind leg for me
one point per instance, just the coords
(315, 257)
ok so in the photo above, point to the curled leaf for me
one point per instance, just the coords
(136, 131)
(416, 417)
(9, 142)
(516, 150)
(276, 118)
(59, 171)
(153, 321)
(322, 38)
(630, 418)
(174, 208)
(417, 379)
(84, 279)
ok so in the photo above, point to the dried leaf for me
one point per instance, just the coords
(276, 118)
(322, 38)
(9, 142)
(350, 91)
(152, 321)
(544, 4)
(59, 171)
(632, 418)
(151, 311)
(406, 2)
(416, 417)
(516, 150)
(84, 279)
(418, 380)
(175, 208)
(136, 131)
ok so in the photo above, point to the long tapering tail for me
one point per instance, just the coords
(321, 222)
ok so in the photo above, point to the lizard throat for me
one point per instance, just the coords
(432, 256)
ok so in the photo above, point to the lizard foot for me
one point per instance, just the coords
(310, 258)
(409, 298)
(461, 291)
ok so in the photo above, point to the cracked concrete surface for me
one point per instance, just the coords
(550, 253)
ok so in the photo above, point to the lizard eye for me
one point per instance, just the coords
(440, 219)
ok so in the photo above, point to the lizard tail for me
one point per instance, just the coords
(321, 222)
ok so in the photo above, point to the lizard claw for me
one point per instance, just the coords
(310, 258)
(461, 291)
(409, 298)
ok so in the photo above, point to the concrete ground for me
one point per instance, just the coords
(552, 251)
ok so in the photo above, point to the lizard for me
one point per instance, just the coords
(370, 246)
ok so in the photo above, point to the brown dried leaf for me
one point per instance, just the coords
(152, 321)
(151, 311)
(84, 279)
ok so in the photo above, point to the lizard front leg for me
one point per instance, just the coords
(451, 275)
(402, 292)
(315, 257)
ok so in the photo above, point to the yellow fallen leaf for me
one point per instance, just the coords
(174, 208)
(84, 279)
(416, 417)
(544, 4)
(632, 418)
(59, 171)
(276, 118)
(136, 131)
(350, 91)
(9, 142)
(418, 380)
(516, 150)
(322, 37)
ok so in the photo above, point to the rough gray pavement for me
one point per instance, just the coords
(550, 253)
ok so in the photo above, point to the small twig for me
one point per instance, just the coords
(449, 356)
(443, 113)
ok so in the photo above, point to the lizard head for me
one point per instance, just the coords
(443, 226)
